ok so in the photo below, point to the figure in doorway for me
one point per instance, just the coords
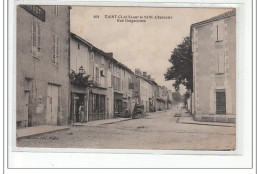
(81, 111)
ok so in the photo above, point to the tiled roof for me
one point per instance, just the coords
(222, 16)
(106, 55)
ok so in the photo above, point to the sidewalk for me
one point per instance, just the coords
(36, 130)
(189, 120)
(101, 122)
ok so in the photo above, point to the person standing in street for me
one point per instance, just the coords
(81, 111)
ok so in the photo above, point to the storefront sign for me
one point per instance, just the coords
(36, 11)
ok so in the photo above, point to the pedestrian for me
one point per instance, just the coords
(81, 111)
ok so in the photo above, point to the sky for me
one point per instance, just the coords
(144, 45)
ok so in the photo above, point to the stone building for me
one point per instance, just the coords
(145, 89)
(42, 65)
(214, 68)
(96, 96)
(110, 94)
(127, 89)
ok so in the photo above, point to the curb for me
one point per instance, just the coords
(116, 121)
(27, 136)
(179, 120)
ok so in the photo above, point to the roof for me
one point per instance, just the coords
(101, 52)
(216, 18)
(146, 79)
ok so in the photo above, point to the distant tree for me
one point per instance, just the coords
(177, 98)
(181, 69)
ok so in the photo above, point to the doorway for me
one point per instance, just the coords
(79, 100)
(52, 104)
(26, 108)
(220, 102)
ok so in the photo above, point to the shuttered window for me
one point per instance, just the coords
(219, 33)
(55, 49)
(219, 63)
(36, 39)
(56, 10)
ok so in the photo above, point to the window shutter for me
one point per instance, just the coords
(221, 33)
(38, 37)
(34, 33)
(57, 11)
(216, 63)
(57, 50)
(53, 48)
(221, 63)
(54, 9)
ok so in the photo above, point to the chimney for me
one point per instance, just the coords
(149, 77)
(144, 74)
(137, 71)
(110, 54)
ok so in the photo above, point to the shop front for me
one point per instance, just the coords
(79, 97)
(118, 104)
(97, 104)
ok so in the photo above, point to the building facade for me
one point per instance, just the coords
(42, 93)
(109, 92)
(214, 66)
(150, 94)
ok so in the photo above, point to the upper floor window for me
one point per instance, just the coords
(220, 64)
(92, 55)
(102, 60)
(55, 49)
(219, 33)
(78, 46)
(97, 75)
(56, 10)
(36, 39)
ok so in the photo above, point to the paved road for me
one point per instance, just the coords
(157, 131)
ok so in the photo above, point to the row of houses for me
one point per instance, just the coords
(58, 71)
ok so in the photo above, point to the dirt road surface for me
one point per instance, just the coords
(159, 131)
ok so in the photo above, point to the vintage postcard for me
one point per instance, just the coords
(153, 78)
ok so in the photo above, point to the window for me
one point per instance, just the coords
(56, 10)
(36, 39)
(102, 104)
(78, 46)
(219, 33)
(102, 73)
(55, 49)
(219, 63)
(97, 75)
(92, 56)
(98, 104)
(27, 84)
(102, 61)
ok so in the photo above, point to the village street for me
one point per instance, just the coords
(156, 131)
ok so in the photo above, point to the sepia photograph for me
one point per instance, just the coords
(106, 77)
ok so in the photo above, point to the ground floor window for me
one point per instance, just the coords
(97, 107)
(118, 107)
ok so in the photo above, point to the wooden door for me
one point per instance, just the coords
(26, 108)
(52, 104)
(48, 105)
(55, 101)
(220, 102)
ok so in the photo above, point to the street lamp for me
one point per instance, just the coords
(81, 70)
